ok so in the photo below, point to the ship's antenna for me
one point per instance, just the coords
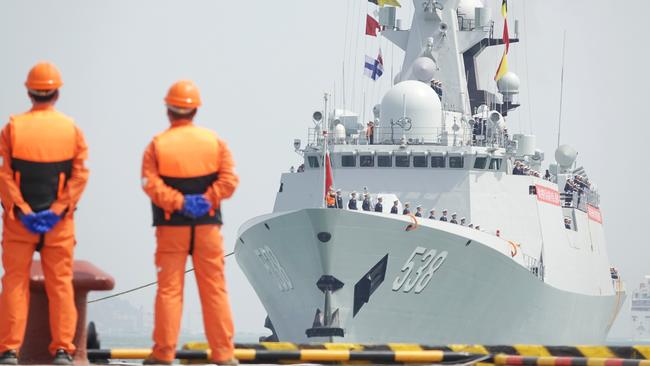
(363, 109)
(325, 138)
(559, 125)
(343, 91)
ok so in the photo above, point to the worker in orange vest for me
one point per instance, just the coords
(42, 177)
(331, 198)
(187, 171)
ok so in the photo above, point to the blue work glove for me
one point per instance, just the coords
(30, 222)
(47, 219)
(195, 205)
(40, 223)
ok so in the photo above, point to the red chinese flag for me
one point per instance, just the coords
(329, 181)
(371, 26)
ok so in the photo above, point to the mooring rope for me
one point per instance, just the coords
(142, 286)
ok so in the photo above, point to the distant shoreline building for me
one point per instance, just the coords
(640, 306)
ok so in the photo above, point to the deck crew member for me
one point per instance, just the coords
(569, 188)
(471, 226)
(432, 214)
(370, 133)
(352, 203)
(379, 207)
(453, 218)
(187, 171)
(463, 221)
(407, 209)
(444, 215)
(339, 199)
(42, 177)
(365, 205)
(394, 209)
(418, 211)
(331, 199)
(567, 223)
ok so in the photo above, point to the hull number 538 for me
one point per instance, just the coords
(427, 265)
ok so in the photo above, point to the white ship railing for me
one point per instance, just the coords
(414, 136)
(580, 201)
(532, 264)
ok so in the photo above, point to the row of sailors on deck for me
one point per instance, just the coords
(578, 185)
(521, 168)
(335, 200)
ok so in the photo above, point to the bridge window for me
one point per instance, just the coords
(437, 161)
(384, 161)
(313, 161)
(366, 161)
(420, 161)
(348, 161)
(402, 161)
(456, 162)
(480, 162)
(495, 164)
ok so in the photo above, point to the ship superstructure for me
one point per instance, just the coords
(535, 271)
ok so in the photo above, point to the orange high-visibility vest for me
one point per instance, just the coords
(187, 157)
(331, 201)
(43, 144)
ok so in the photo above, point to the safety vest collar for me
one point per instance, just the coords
(181, 122)
(42, 107)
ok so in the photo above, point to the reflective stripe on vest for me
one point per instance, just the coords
(187, 158)
(43, 145)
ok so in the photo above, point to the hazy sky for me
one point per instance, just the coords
(263, 66)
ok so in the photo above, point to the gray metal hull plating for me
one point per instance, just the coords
(478, 294)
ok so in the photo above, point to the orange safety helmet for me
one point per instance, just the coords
(44, 76)
(183, 94)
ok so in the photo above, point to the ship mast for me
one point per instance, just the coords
(325, 138)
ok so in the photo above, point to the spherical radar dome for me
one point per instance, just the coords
(466, 8)
(565, 155)
(509, 83)
(339, 131)
(423, 69)
(417, 101)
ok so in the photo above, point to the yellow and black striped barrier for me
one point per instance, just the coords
(511, 355)
(506, 360)
(301, 356)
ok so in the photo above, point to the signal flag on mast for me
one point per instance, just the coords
(386, 2)
(372, 25)
(374, 68)
(503, 65)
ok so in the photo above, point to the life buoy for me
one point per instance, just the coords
(414, 225)
(513, 248)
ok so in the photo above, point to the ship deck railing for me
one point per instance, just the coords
(412, 136)
(580, 201)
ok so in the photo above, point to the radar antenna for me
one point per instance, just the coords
(559, 124)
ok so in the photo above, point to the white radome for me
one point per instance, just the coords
(339, 132)
(509, 83)
(423, 69)
(565, 155)
(413, 99)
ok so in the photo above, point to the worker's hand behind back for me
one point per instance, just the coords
(195, 205)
